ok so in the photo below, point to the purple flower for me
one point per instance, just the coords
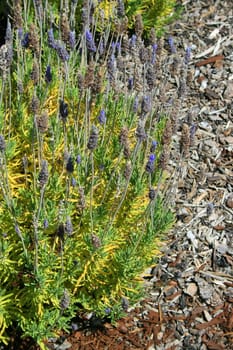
(70, 165)
(146, 104)
(130, 83)
(25, 40)
(73, 182)
(78, 159)
(63, 109)
(171, 44)
(102, 117)
(153, 146)
(153, 56)
(140, 131)
(132, 40)
(45, 223)
(118, 47)
(43, 174)
(74, 326)
(113, 45)
(68, 226)
(120, 9)
(48, 74)
(72, 40)
(150, 165)
(20, 33)
(107, 311)
(2, 143)
(152, 157)
(187, 55)
(17, 230)
(193, 129)
(93, 139)
(151, 193)
(51, 40)
(135, 105)
(111, 67)
(62, 52)
(90, 41)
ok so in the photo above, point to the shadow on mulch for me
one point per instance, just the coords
(141, 330)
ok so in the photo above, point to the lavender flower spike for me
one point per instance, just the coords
(90, 41)
(43, 174)
(93, 139)
(48, 74)
(72, 40)
(20, 33)
(68, 226)
(111, 67)
(135, 105)
(187, 55)
(150, 166)
(51, 40)
(153, 145)
(132, 40)
(171, 44)
(61, 51)
(73, 182)
(153, 56)
(45, 224)
(63, 110)
(146, 104)
(102, 117)
(130, 83)
(120, 8)
(70, 165)
(2, 143)
(25, 40)
(78, 159)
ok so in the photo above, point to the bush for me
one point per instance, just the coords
(84, 146)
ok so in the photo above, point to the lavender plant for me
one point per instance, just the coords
(142, 15)
(84, 147)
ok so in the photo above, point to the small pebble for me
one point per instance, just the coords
(160, 336)
(228, 93)
(229, 201)
(123, 329)
(205, 126)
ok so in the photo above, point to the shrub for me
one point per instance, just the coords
(155, 14)
(84, 146)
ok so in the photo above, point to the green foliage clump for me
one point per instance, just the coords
(155, 14)
(84, 145)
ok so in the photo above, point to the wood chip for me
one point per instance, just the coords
(208, 60)
(191, 289)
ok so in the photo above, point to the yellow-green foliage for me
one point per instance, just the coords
(155, 13)
(81, 227)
